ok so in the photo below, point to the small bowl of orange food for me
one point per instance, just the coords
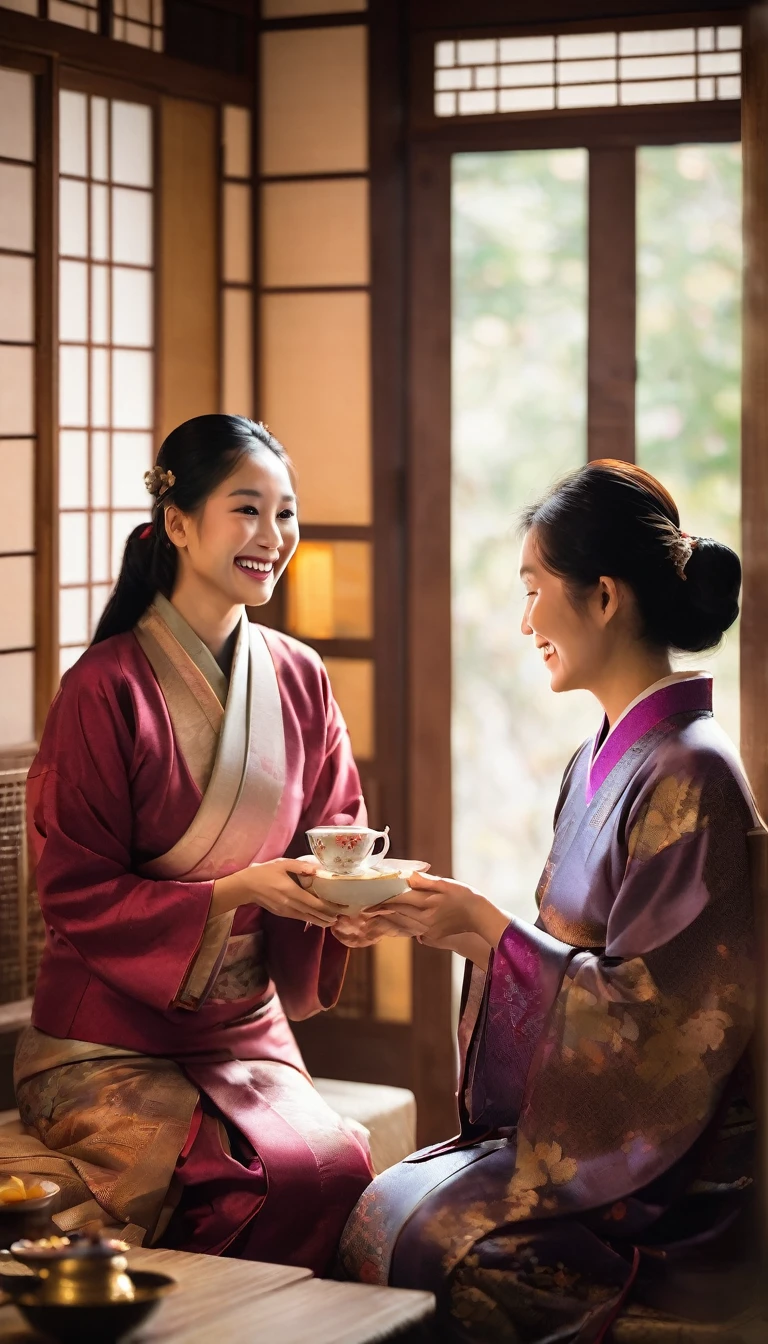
(26, 1205)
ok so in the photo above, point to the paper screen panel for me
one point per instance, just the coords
(17, 115)
(314, 101)
(73, 133)
(17, 215)
(132, 144)
(236, 137)
(315, 233)
(237, 352)
(329, 590)
(392, 968)
(316, 396)
(17, 473)
(236, 257)
(352, 680)
(17, 298)
(17, 613)
(17, 403)
(17, 696)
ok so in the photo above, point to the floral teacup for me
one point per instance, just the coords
(345, 849)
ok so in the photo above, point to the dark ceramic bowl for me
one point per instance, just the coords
(29, 1217)
(75, 1324)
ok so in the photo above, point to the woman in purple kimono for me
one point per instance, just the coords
(605, 1144)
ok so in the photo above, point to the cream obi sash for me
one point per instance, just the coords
(233, 743)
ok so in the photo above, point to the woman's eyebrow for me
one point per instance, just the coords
(256, 494)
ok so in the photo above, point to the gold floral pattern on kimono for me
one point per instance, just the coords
(672, 811)
(538, 1171)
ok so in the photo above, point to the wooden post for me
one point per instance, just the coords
(47, 378)
(754, 624)
(611, 340)
(429, 615)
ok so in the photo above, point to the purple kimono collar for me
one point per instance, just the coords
(688, 696)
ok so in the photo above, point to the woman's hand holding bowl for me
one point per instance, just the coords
(438, 909)
(279, 886)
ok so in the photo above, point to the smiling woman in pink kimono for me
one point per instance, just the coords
(186, 752)
(605, 1148)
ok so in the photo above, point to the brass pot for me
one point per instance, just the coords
(81, 1273)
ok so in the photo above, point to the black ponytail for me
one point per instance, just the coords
(614, 518)
(194, 459)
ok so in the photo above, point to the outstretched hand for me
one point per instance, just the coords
(437, 908)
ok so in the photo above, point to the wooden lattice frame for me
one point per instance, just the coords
(21, 923)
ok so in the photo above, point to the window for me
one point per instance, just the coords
(139, 22)
(586, 70)
(689, 275)
(106, 346)
(519, 229)
(17, 404)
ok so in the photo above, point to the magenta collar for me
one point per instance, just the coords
(680, 697)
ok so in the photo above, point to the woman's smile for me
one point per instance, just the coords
(259, 570)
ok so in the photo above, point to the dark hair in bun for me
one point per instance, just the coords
(614, 519)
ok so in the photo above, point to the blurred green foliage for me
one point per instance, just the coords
(689, 261)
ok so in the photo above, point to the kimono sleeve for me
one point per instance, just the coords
(139, 936)
(308, 964)
(612, 1063)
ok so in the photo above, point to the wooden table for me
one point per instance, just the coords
(221, 1301)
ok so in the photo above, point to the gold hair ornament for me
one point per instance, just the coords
(681, 549)
(158, 481)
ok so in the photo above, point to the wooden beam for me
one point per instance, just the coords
(611, 340)
(429, 615)
(540, 13)
(386, 149)
(187, 263)
(754, 468)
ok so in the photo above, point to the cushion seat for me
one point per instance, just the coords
(387, 1113)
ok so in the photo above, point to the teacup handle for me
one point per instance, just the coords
(383, 835)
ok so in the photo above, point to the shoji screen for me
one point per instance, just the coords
(106, 348)
(17, 405)
(315, 375)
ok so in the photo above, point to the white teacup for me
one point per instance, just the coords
(344, 849)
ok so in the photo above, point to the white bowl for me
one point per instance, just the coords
(383, 880)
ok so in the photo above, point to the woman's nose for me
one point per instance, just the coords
(268, 533)
(524, 626)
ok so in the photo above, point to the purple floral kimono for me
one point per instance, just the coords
(605, 1144)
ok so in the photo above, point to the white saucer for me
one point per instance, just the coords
(383, 880)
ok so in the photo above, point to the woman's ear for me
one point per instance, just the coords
(176, 527)
(609, 598)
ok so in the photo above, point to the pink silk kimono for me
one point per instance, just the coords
(160, 1083)
(605, 1148)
